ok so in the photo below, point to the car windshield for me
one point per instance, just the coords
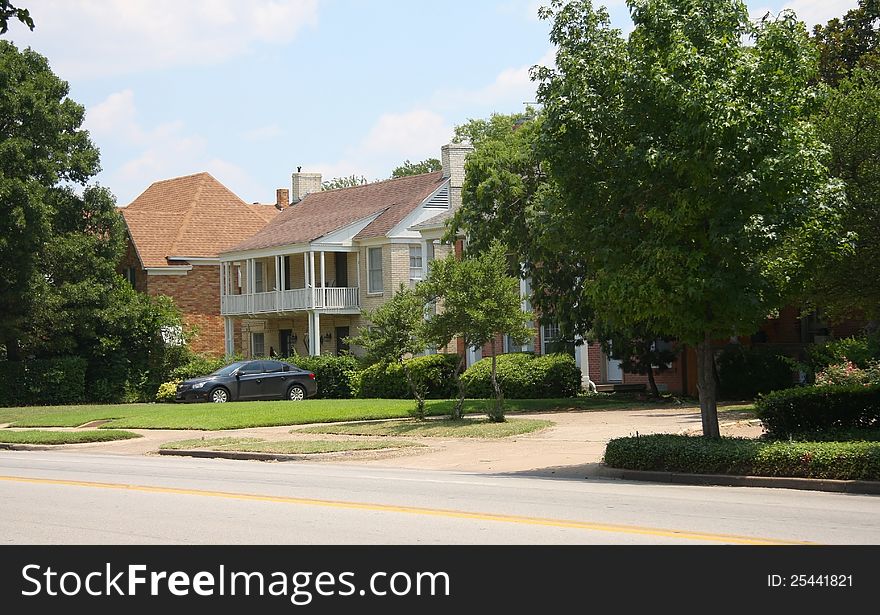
(227, 370)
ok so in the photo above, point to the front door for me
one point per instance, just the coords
(341, 346)
(341, 270)
(614, 372)
(285, 348)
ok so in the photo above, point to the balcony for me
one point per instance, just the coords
(345, 300)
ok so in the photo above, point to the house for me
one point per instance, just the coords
(302, 283)
(176, 230)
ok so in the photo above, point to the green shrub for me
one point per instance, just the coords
(43, 382)
(167, 391)
(695, 454)
(525, 376)
(435, 373)
(334, 375)
(744, 373)
(813, 409)
(849, 373)
(858, 350)
(198, 365)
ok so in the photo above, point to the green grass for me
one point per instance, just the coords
(435, 428)
(238, 415)
(293, 447)
(37, 436)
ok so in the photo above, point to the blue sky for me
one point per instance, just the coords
(249, 90)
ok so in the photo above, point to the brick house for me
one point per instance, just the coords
(301, 284)
(176, 230)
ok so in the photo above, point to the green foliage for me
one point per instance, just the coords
(9, 11)
(845, 43)
(60, 380)
(434, 374)
(525, 376)
(198, 365)
(744, 373)
(859, 350)
(847, 373)
(671, 453)
(408, 168)
(167, 391)
(343, 182)
(808, 410)
(335, 375)
(849, 123)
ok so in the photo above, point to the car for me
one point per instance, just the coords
(250, 380)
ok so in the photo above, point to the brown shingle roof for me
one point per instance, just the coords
(193, 216)
(321, 213)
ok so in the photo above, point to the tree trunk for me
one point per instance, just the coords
(417, 394)
(458, 408)
(497, 413)
(654, 390)
(706, 387)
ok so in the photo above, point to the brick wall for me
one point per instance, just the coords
(197, 295)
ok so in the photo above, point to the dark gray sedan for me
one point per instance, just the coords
(250, 380)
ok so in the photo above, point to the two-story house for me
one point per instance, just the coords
(301, 284)
(176, 230)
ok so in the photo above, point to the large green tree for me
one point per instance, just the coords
(850, 124)
(846, 42)
(429, 165)
(477, 299)
(687, 181)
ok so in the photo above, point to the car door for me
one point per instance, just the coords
(250, 380)
(275, 379)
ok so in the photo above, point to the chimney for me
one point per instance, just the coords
(303, 184)
(282, 198)
(452, 157)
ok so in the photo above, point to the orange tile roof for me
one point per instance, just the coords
(193, 216)
(323, 212)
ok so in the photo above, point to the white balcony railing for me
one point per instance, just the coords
(291, 301)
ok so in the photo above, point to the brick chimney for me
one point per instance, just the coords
(282, 198)
(303, 184)
(452, 157)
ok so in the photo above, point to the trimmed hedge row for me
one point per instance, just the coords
(435, 373)
(525, 376)
(336, 376)
(695, 454)
(813, 409)
(43, 381)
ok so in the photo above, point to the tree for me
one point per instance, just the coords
(850, 124)
(343, 182)
(9, 11)
(477, 300)
(396, 331)
(688, 185)
(428, 165)
(639, 352)
(846, 42)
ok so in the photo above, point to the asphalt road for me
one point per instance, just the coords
(72, 498)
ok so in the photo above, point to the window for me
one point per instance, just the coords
(549, 335)
(375, 283)
(258, 344)
(130, 274)
(259, 286)
(415, 264)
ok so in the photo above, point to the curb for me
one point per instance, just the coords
(241, 456)
(728, 480)
(8, 446)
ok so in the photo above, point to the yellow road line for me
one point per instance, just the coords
(413, 510)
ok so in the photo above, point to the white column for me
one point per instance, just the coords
(306, 269)
(281, 285)
(317, 333)
(425, 259)
(311, 316)
(358, 265)
(229, 332)
(312, 276)
(323, 277)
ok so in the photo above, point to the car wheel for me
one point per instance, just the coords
(296, 393)
(219, 396)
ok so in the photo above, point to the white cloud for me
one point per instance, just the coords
(813, 12)
(149, 154)
(91, 38)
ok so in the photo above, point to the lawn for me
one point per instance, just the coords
(435, 428)
(239, 415)
(291, 447)
(38, 436)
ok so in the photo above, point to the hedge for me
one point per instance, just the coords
(435, 373)
(807, 410)
(43, 382)
(695, 454)
(744, 373)
(197, 366)
(860, 350)
(525, 376)
(335, 375)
